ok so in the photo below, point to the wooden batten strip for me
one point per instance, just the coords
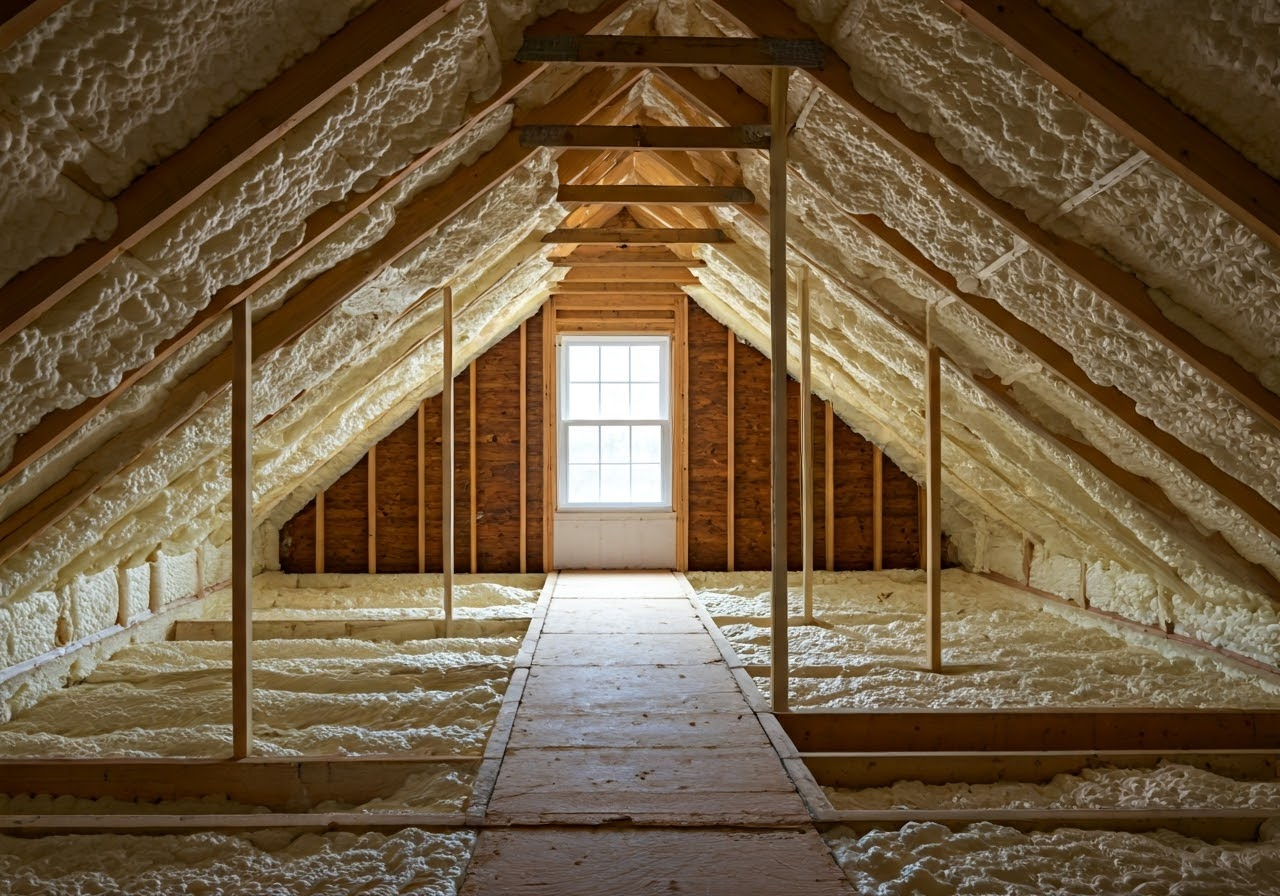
(242, 532)
(446, 458)
(933, 493)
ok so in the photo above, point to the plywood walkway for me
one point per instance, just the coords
(635, 764)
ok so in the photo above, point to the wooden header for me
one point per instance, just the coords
(650, 50)
(639, 136)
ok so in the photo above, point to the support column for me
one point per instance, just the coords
(242, 532)
(524, 450)
(933, 494)
(780, 670)
(806, 448)
(877, 508)
(446, 457)
(730, 459)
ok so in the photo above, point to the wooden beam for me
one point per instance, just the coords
(1029, 730)
(1126, 293)
(653, 50)
(650, 194)
(617, 273)
(682, 444)
(320, 531)
(778, 641)
(297, 822)
(639, 288)
(626, 236)
(1199, 823)
(649, 256)
(20, 16)
(1111, 93)
(222, 148)
(391, 630)
(524, 446)
(447, 510)
(933, 494)
(644, 137)
(877, 509)
(806, 446)
(550, 415)
(829, 502)
(730, 459)
(242, 533)
(471, 463)
(422, 486)
(371, 488)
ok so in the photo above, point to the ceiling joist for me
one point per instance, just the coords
(649, 256)
(624, 236)
(645, 137)
(627, 274)
(653, 194)
(654, 50)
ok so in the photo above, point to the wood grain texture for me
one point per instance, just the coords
(497, 460)
(397, 494)
(708, 438)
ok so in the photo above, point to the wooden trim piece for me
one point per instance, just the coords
(653, 50)
(447, 509)
(806, 446)
(877, 508)
(320, 531)
(221, 149)
(653, 194)
(422, 487)
(550, 443)
(779, 647)
(829, 504)
(1112, 94)
(242, 532)
(371, 489)
(645, 137)
(471, 462)
(933, 493)
(627, 236)
(730, 451)
(682, 454)
(524, 446)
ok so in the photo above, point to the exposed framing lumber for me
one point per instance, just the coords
(1199, 823)
(57, 425)
(645, 137)
(586, 287)
(242, 533)
(653, 194)
(21, 16)
(1032, 730)
(1109, 92)
(649, 51)
(471, 462)
(731, 513)
(649, 256)
(626, 236)
(371, 488)
(447, 509)
(550, 448)
(300, 822)
(681, 490)
(614, 274)
(395, 630)
(778, 642)
(932, 533)
(877, 509)
(524, 446)
(1122, 290)
(829, 484)
(805, 411)
(222, 148)
(320, 531)
(422, 487)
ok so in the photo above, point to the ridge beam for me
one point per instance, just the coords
(750, 136)
(649, 50)
(651, 194)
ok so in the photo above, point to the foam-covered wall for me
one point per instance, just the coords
(98, 92)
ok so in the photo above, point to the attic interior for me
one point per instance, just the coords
(990, 291)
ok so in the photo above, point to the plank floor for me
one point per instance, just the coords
(635, 765)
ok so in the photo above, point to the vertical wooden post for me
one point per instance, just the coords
(829, 502)
(422, 487)
(320, 531)
(730, 460)
(806, 448)
(155, 597)
(780, 669)
(682, 455)
(371, 491)
(877, 508)
(242, 532)
(524, 458)
(446, 457)
(550, 414)
(471, 464)
(933, 513)
(1084, 584)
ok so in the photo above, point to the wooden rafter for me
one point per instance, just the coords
(644, 137)
(222, 148)
(652, 50)
(57, 425)
(634, 235)
(1108, 91)
(654, 194)
(1122, 290)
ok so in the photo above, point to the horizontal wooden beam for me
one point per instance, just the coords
(221, 149)
(650, 256)
(653, 194)
(620, 236)
(1111, 93)
(1025, 730)
(314, 822)
(1200, 823)
(651, 50)
(627, 274)
(282, 784)
(638, 288)
(394, 630)
(591, 136)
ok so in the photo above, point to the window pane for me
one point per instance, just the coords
(646, 444)
(645, 401)
(615, 444)
(584, 401)
(584, 444)
(584, 484)
(615, 401)
(646, 483)
(615, 365)
(584, 363)
(646, 363)
(615, 483)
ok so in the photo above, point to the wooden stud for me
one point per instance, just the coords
(471, 459)
(371, 482)
(731, 460)
(653, 194)
(653, 50)
(829, 504)
(320, 531)
(1084, 584)
(682, 429)
(524, 448)
(628, 236)
(550, 448)
(779, 679)
(806, 446)
(877, 508)
(933, 493)
(242, 533)
(422, 487)
(446, 457)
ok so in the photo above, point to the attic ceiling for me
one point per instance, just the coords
(1112, 331)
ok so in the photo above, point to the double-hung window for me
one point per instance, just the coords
(615, 422)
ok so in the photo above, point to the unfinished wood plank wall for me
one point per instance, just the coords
(397, 516)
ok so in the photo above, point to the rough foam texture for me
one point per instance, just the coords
(1001, 650)
(410, 862)
(990, 859)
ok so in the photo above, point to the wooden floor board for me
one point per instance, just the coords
(634, 649)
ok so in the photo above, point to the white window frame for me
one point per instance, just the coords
(563, 422)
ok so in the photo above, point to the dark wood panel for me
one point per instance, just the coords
(397, 493)
(751, 459)
(853, 499)
(901, 519)
(462, 472)
(346, 521)
(708, 441)
(298, 541)
(498, 457)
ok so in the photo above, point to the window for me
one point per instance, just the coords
(615, 421)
